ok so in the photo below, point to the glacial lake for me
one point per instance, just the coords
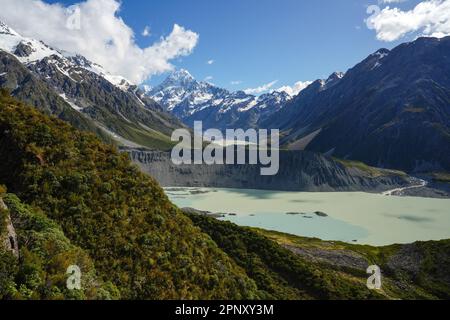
(372, 219)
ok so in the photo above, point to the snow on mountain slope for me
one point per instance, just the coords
(181, 87)
(60, 83)
(29, 51)
(192, 100)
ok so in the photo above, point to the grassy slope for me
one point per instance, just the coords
(414, 271)
(279, 273)
(370, 171)
(441, 177)
(291, 267)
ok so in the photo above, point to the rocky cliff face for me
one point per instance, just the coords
(299, 171)
(9, 239)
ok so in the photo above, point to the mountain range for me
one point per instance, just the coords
(192, 100)
(67, 198)
(391, 110)
(82, 93)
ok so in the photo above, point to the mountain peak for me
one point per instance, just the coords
(28, 50)
(336, 76)
(332, 79)
(181, 75)
(192, 100)
(381, 53)
(5, 29)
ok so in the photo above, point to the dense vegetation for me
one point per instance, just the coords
(44, 258)
(76, 201)
(120, 217)
(279, 273)
(410, 271)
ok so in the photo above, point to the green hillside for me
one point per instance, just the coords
(121, 218)
(290, 267)
(74, 200)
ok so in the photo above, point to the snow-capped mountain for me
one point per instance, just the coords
(192, 100)
(180, 93)
(81, 92)
(29, 51)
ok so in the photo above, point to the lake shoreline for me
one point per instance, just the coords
(351, 217)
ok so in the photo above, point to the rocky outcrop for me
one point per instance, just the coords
(9, 239)
(339, 258)
(299, 171)
(202, 213)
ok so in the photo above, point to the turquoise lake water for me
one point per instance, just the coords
(353, 217)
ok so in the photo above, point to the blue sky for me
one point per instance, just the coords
(258, 41)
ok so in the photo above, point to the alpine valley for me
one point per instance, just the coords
(391, 110)
(85, 155)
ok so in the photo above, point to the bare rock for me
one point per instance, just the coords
(9, 240)
(339, 258)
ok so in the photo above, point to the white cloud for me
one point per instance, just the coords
(146, 32)
(261, 89)
(295, 89)
(103, 37)
(235, 82)
(210, 62)
(209, 78)
(391, 1)
(429, 18)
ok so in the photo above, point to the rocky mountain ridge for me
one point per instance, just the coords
(191, 100)
(391, 110)
(82, 92)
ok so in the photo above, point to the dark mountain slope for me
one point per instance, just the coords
(27, 87)
(88, 101)
(390, 110)
(82, 92)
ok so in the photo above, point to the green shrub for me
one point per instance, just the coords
(136, 239)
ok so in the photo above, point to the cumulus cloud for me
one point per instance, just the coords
(428, 18)
(210, 62)
(235, 82)
(146, 32)
(208, 78)
(295, 89)
(102, 36)
(261, 89)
